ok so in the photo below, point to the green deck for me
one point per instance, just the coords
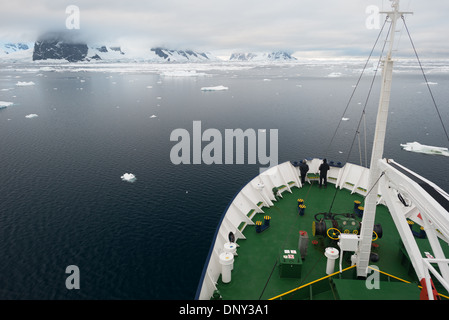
(257, 268)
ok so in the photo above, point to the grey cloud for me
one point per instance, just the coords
(293, 25)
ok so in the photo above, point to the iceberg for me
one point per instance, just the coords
(217, 88)
(24, 83)
(31, 115)
(344, 119)
(129, 177)
(153, 116)
(422, 148)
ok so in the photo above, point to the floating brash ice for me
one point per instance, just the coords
(24, 83)
(216, 88)
(129, 177)
(422, 148)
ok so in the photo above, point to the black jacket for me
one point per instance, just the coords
(324, 168)
(303, 168)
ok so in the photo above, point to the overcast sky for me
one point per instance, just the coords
(304, 27)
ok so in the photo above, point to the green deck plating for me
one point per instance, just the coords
(269, 263)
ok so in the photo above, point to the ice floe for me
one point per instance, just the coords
(4, 104)
(31, 115)
(216, 88)
(24, 83)
(129, 177)
(422, 148)
(334, 75)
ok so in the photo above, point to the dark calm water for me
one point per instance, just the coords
(62, 201)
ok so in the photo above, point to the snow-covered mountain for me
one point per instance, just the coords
(107, 53)
(67, 46)
(262, 56)
(58, 46)
(59, 50)
(167, 55)
(9, 47)
(16, 51)
(117, 53)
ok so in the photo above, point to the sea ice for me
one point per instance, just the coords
(422, 148)
(182, 73)
(129, 177)
(217, 88)
(334, 75)
(24, 83)
(4, 104)
(31, 115)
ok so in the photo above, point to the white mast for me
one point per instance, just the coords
(366, 233)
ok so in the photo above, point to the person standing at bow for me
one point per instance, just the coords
(303, 169)
(324, 168)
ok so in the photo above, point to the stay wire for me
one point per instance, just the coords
(375, 183)
(425, 79)
(364, 107)
(356, 86)
(367, 98)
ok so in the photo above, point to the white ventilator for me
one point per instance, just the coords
(227, 262)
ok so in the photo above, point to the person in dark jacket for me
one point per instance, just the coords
(303, 168)
(324, 168)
